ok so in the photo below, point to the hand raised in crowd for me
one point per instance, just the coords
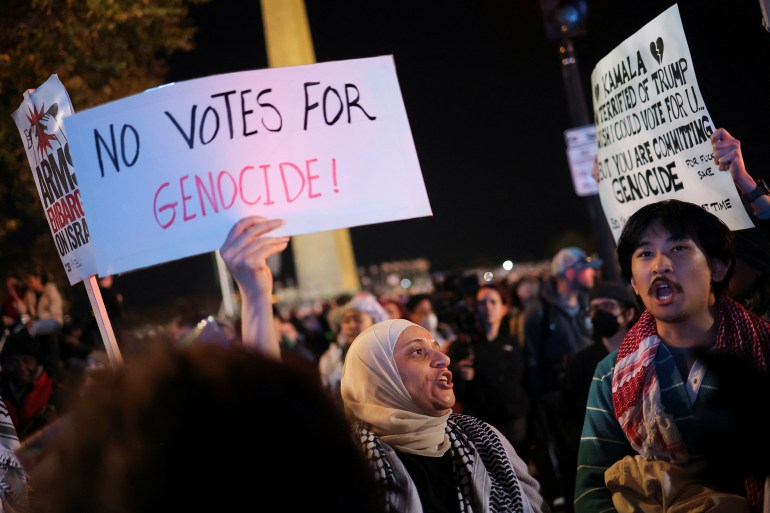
(728, 156)
(245, 251)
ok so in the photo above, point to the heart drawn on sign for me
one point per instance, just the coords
(656, 49)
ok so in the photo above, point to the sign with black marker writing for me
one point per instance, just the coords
(167, 172)
(653, 129)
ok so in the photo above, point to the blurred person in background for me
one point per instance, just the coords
(44, 304)
(750, 283)
(419, 310)
(292, 343)
(394, 307)
(525, 290)
(556, 327)
(488, 367)
(614, 309)
(31, 397)
(362, 311)
(13, 306)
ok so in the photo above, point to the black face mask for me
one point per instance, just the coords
(605, 324)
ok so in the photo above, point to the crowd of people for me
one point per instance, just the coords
(558, 391)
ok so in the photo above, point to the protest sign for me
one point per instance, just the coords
(39, 120)
(653, 129)
(581, 152)
(166, 173)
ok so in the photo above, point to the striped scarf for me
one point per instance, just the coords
(469, 437)
(13, 477)
(636, 392)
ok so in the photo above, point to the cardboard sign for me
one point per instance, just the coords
(652, 129)
(39, 120)
(166, 173)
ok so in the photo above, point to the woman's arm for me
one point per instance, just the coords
(245, 251)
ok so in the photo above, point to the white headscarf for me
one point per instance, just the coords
(373, 392)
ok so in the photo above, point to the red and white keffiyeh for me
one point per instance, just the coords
(635, 390)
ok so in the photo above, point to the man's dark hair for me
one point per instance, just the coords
(682, 220)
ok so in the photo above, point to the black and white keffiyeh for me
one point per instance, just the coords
(470, 438)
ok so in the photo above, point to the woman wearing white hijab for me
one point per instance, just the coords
(397, 390)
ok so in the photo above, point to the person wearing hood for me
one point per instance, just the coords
(398, 393)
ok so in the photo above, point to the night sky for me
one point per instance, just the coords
(483, 90)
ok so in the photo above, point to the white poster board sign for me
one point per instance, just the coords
(653, 129)
(581, 152)
(39, 120)
(166, 173)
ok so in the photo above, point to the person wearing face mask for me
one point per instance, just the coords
(419, 310)
(613, 309)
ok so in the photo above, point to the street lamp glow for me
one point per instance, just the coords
(406, 283)
(507, 265)
(488, 276)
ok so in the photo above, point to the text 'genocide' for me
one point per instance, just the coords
(264, 185)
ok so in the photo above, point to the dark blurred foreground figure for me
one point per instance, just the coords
(735, 442)
(202, 428)
(750, 283)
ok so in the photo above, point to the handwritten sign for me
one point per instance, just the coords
(653, 129)
(167, 172)
(39, 120)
